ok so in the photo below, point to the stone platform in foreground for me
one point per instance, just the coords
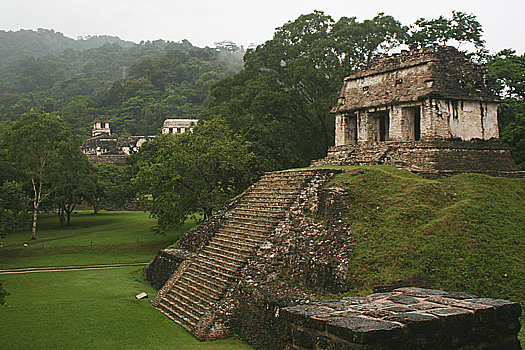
(407, 318)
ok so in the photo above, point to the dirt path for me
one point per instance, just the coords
(67, 268)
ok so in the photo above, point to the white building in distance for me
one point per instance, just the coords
(178, 126)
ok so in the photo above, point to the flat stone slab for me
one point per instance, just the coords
(403, 317)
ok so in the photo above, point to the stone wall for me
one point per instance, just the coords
(407, 318)
(164, 264)
(429, 159)
(438, 71)
(118, 160)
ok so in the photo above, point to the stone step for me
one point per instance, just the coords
(250, 211)
(178, 313)
(235, 242)
(246, 223)
(203, 279)
(273, 192)
(257, 203)
(222, 256)
(248, 226)
(250, 235)
(214, 270)
(192, 304)
(233, 235)
(253, 219)
(242, 250)
(204, 292)
(165, 308)
(219, 262)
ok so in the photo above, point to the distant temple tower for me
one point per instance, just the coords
(101, 126)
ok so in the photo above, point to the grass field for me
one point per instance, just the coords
(464, 233)
(88, 309)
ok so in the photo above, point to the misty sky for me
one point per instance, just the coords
(205, 22)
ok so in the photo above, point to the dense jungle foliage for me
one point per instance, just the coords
(271, 102)
(137, 85)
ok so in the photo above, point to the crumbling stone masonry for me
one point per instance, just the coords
(434, 93)
(199, 293)
(417, 110)
(259, 267)
(407, 318)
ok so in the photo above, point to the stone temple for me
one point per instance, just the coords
(242, 270)
(428, 110)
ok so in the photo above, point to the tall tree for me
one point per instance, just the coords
(282, 99)
(178, 175)
(73, 180)
(32, 144)
(506, 75)
(461, 29)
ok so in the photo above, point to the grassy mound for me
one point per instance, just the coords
(463, 233)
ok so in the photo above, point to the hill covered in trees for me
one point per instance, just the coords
(80, 78)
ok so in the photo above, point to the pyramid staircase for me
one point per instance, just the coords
(191, 292)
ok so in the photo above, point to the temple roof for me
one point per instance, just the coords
(438, 71)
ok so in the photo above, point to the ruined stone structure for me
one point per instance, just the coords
(101, 126)
(406, 318)
(102, 143)
(199, 294)
(178, 126)
(258, 267)
(406, 109)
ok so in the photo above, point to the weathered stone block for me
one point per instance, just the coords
(363, 330)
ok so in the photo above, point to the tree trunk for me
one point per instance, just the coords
(69, 210)
(33, 227)
(60, 214)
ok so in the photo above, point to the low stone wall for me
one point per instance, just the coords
(430, 159)
(164, 264)
(407, 318)
(118, 160)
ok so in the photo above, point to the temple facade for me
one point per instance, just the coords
(434, 93)
(428, 111)
(178, 126)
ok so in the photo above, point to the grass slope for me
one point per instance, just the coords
(463, 233)
(89, 309)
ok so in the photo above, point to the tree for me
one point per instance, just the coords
(32, 144)
(73, 181)
(281, 101)
(462, 28)
(178, 175)
(506, 76)
(3, 293)
(13, 207)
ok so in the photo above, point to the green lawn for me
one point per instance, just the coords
(89, 309)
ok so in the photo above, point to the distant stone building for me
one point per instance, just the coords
(428, 111)
(101, 126)
(102, 143)
(115, 149)
(178, 126)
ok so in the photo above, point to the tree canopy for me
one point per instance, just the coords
(178, 175)
(41, 147)
(281, 100)
(506, 73)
